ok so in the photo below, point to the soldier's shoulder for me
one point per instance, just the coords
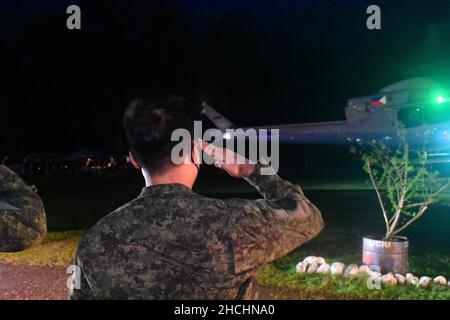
(233, 204)
(143, 213)
(116, 218)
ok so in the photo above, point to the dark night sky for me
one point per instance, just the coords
(258, 61)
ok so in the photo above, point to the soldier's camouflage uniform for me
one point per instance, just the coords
(22, 214)
(171, 243)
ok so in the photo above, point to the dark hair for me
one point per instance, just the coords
(149, 125)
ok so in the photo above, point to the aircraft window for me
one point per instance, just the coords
(437, 113)
(411, 117)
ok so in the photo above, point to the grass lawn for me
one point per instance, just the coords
(349, 215)
(58, 249)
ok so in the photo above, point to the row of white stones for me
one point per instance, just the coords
(319, 265)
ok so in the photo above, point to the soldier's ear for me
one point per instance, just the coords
(134, 162)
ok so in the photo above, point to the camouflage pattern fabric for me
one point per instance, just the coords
(171, 243)
(22, 214)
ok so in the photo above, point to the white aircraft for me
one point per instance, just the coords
(418, 105)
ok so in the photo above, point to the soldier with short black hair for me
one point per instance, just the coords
(172, 243)
(22, 214)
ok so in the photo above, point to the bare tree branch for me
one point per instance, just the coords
(410, 222)
(380, 198)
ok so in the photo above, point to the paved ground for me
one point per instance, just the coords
(22, 282)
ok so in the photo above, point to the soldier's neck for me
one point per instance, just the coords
(182, 174)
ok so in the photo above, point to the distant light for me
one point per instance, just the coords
(227, 136)
(440, 99)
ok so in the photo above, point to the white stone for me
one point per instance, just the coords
(312, 268)
(320, 260)
(389, 280)
(311, 259)
(440, 280)
(373, 275)
(409, 277)
(300, 267)
(364, 270)
(400, 278)
(424, 282)
(337, 268)
(324, 268)
(351, 271)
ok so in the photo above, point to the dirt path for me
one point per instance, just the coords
(23, 282)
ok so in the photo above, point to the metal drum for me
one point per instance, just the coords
(390, 256)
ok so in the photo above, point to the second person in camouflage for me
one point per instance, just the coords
(22, 214)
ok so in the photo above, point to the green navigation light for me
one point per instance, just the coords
(440, 99)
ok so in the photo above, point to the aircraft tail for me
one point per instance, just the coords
(219, 120)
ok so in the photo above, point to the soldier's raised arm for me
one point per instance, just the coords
(22, 214)
(264, 230)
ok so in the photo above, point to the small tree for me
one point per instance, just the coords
(404, 182)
